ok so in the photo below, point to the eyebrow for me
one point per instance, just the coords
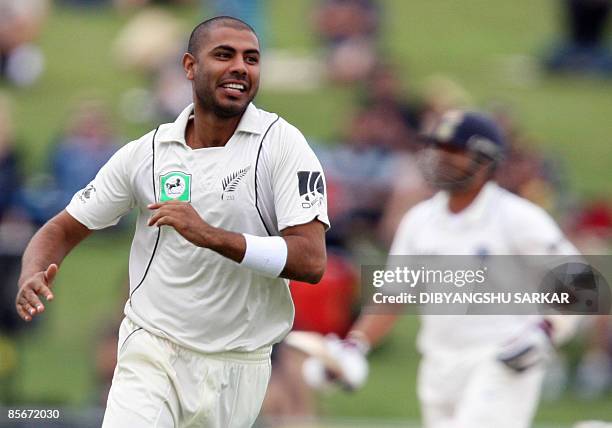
(232, 49)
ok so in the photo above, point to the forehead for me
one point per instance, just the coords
(239, 39)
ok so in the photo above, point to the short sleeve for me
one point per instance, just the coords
(298, 181)
(108, 197)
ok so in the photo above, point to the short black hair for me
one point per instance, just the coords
(201, 30)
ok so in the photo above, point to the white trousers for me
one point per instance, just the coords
(158, 384)
(473, 390)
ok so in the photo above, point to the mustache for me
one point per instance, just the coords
(237, 77)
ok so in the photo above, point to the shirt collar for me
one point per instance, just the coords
(475, 211)
(250, 121)
(175, 132)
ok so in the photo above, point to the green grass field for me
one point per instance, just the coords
(470, 41)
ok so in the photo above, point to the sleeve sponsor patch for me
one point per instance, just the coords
(86, 193)
(311, 188)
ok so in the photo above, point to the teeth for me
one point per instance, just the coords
(234, 86)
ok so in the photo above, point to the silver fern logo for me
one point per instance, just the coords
(231, 182)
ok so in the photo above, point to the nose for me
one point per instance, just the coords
(238, 66)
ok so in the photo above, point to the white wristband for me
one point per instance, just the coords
(265, 254)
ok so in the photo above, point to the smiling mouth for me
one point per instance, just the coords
(239, 87)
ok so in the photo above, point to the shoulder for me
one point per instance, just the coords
(419, 214)
(284, 143)
(143, 144)
(280, 132)
(530, 228)
(266, 119)
(520, 211)
(131, 155)
(425, 208)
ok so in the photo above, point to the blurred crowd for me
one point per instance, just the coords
(372, 167)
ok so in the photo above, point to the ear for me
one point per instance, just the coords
(189, 63)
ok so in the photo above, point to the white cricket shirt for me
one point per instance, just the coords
(497, 222)
(266, 178)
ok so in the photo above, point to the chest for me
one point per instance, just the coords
(218, 182)
(443, 235)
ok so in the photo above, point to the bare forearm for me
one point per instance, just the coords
(44, 248)
(305, 243)
(303, 262)
(49, 245)
(229, 244)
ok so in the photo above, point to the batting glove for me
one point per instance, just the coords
(350, 368)
(532, 347)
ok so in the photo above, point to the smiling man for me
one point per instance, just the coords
(231, 204)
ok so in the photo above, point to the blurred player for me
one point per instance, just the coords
(231, 200)
(477, 371)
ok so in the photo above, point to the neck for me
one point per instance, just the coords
(209, 130)
(461, 199)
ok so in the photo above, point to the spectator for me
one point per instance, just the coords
(394, 121)
(440, 94)
(127, 5)
(15, 228)
(149, 40)
(15, 231)
(21, 60)
(526, 171)
(359, 174)
(349, 29)
(409, 187)
(151, 43)
(8, 160)
(85, 3)
(584, 48)
(384, 89)
(87, 143)
(171, 92)
(250, 11)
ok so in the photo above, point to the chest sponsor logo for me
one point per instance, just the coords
(311, 188)
(175, 186)
(231, 182)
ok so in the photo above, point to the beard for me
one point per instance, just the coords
(451, 182)
(208, 101)
(444, 176)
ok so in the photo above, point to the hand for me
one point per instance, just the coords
(350, 368)
(27, 302)
(182, 217)
(530, 348)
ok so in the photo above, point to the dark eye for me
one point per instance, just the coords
(252, 60)
(223, 55)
